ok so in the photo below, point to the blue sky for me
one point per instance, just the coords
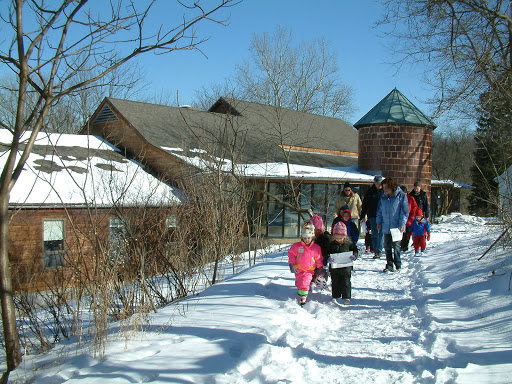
(346, 24)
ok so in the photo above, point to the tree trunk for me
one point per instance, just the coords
(11, 337)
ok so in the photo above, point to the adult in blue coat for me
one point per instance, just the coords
(392, 213)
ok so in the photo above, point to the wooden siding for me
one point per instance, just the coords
(26, 244)
(86, 243)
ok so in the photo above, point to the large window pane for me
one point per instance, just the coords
(117, 234)
(333, 192)
(291, 223)
(275, 212)
(53, 244)
(318, 203)
(305, 196)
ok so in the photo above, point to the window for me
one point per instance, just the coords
(171, 249)
(171, 222)
(53, 244)
(275, 211)
(117, 234)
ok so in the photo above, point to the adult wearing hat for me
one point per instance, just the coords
(369, 213)
(421, 199)
(351, 199)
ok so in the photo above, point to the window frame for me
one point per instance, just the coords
(54, 258)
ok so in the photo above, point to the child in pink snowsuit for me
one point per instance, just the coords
(303, 258)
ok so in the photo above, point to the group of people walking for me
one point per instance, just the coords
(391, 216)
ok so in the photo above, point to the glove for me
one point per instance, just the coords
(293, 269)
(428, 236)
(330, 260)
(353, 257)
(320, 282)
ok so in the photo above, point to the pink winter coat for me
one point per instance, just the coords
(305, 258)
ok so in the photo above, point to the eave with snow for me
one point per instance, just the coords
(65, 170)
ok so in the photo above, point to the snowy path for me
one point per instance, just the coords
(380, 336)
(443, 319)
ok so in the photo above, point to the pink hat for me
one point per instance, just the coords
(318, 222)
(339, 229)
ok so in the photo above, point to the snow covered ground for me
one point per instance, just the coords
(446, 318)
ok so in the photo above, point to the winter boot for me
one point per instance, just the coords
(302, 299)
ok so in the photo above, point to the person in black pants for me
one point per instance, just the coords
(341, 271)
(369, 214)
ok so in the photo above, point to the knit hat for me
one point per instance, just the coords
(418, 212)
(318, 222)
(347, 185)
(339, 229)
(307, 230)
(378, 179)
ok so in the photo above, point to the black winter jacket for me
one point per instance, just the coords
(323, 241)
(348, 245)
(371, 202)
(422, 201)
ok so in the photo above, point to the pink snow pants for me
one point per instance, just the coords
(303, 280)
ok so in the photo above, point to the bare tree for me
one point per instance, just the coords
(71, 112)
(49, 47)
(465, 46)
(299, 76)
(452, 159)
(285, 76)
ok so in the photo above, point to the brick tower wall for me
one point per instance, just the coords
(403, 152)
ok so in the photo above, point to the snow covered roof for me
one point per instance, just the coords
(450, 183)
(280, 170)
(75, 170)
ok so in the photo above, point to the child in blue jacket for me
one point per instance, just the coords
(420, 229)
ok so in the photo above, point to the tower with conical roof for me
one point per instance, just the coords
(395, 140)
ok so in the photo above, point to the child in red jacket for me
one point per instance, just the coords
(303, 258)
(413, 206)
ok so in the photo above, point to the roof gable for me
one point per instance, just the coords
(395, 108)
(260, 133)
(270, 130)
